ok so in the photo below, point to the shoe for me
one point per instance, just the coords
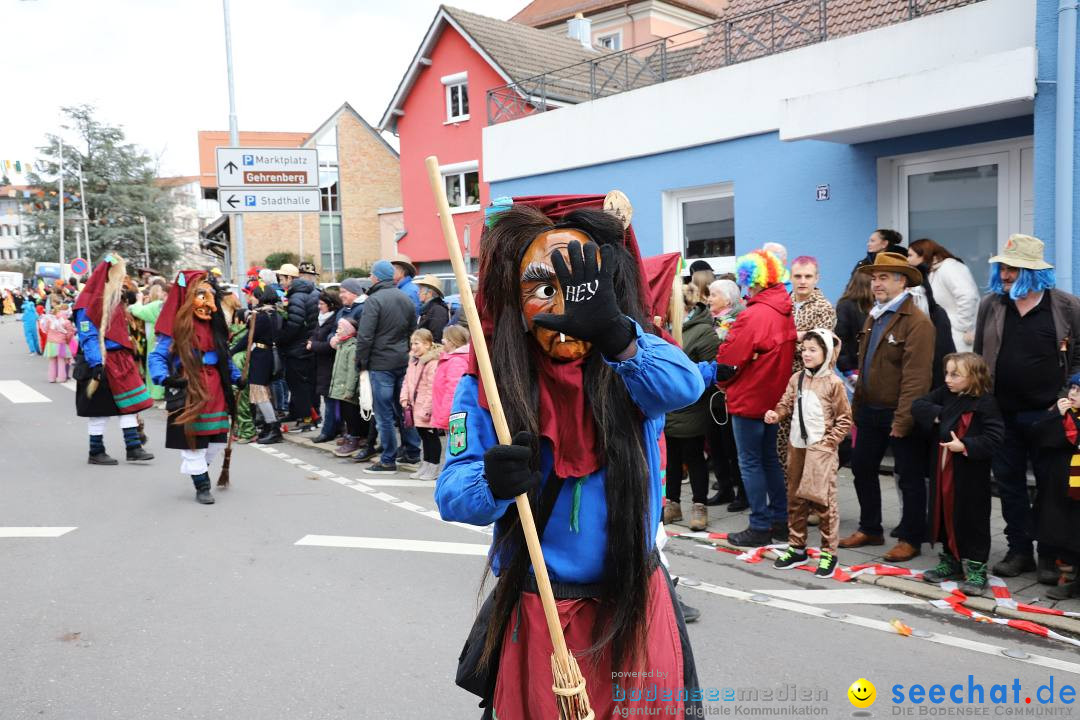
(720, 497)
(431, 474)
(779, 531)
(346, 448)
(365, 455)
(1046, 571)
(1014, 564)
(689, 614)
(137, 454)
(813, 519)
(1064, 592)
(739, 504)
(672, 512)
(415, 475)
(826, 566)
(409, 463)
(203, 496)
(859, 539)
(699, 517)
(902, 552)
(380, 467)
(101, 459)
(895, 532)
(341, 440)
(792, 557)
(321, 438)
(948, 568)
(245, 440)
(975, 580)
(750, 538)
(301, 427)
(271, 435)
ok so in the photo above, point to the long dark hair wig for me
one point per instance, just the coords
(625, 584)
(191, 355)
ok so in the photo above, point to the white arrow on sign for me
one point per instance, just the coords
(263, 167)
(234, 200)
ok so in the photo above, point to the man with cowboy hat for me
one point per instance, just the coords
(434, 315)
(1026, 331)
(896, 354)
(404, 272)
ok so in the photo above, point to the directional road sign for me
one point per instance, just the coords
(234, 200)
(267, 167)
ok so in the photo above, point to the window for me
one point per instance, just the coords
(699, 223)
(611, 41)
(330, 243)
(457, 97)
(462, 185)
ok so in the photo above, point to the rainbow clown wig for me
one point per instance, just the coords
(760, 269)
(1027, 282)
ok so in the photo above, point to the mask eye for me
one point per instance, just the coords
(545, 291)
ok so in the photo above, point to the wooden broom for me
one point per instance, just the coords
(569, 685)
(223, 478)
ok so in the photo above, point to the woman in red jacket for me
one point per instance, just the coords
(758, 353)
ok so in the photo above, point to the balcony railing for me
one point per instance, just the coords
(784, 26)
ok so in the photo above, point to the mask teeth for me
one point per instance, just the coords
(562, 337)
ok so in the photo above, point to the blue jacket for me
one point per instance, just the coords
(407, 286)
(88, 339)
(660, 379)
(162, 365)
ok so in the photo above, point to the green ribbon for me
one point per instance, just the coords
(575, 509)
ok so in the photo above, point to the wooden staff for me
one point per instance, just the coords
(223, 478)
(569, 685)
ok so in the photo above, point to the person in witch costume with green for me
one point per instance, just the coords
(191, 360)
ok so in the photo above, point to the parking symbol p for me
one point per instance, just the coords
(248, 160)
(249, 201)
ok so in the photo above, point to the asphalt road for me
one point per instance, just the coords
(157, 607)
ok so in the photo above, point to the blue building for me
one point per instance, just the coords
(813, 122)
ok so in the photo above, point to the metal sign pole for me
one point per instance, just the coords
(61, 201)
(86, 229)
(234, 139)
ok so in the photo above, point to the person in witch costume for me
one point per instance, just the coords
(107, 379)
(191, 360)
(586, 391)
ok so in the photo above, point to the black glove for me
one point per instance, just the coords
(591, 312)
(175, 381)
(725, 372)
(241, 383)
(507, 467)
(96, 372)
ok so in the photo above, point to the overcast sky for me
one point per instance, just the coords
(157, 67)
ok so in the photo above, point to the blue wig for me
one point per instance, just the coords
(1029, 281)
(1074, 380)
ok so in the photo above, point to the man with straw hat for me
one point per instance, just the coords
(560, 301)
(1027, 332)
(896, 355)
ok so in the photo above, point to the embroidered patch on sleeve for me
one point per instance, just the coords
(84, 326)
(458, 436)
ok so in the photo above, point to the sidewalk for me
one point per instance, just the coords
(1024, 589)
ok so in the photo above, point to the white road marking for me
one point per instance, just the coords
(69, 385)
(882, 626)
(34, 532)
(393, 482)
(370, 543)
(853, 596)
(19, 392)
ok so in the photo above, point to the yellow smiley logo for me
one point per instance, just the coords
(862, 693)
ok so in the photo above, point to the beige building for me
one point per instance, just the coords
(359, 180)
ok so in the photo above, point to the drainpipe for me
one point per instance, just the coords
(1064, 160)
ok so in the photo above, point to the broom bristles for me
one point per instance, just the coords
(223, 478)
(569, 689)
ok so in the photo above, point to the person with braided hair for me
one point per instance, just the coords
(191, 360)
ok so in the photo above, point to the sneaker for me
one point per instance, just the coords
(419, 471)
(948, 568)
(791, 557)
(431, 474)
(750, 538)
(380, 467)
(1014, 564)
(975, 580)
(672, 512)
(409, 463)
(826, 565)
(365, 455)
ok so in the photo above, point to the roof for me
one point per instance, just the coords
(170, 182)
(516, 52)
(347, 108)
(544, 13)
(211, 139)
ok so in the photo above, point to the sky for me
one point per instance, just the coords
(157, 67)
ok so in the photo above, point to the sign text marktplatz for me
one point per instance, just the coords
(268, 179)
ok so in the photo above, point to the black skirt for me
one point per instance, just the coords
(101, 403)
(177, 439)
(261, 367)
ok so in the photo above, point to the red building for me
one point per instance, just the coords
(440, 109)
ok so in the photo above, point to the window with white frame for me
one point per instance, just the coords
(462, 185)
(699, 223)
(457, 97)
(611, 41)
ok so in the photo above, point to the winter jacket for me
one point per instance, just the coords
(659, 378)
(699, 344)
(324, 354)
(957, 294)
(761, 346)
(388, 320)
(850, 319)
(900, 368)
(824, 405)
(990, 324)
(267, 323)
(434, 316)
(416, 389)
(302, 317)
(407, 286)
(452, 365)
(345, 376)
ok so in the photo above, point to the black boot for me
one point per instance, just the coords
(101, 458)
(202, 489)
(271, 434)
(138, 454)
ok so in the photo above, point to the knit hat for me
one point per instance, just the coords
(353, 285)
(383, 270)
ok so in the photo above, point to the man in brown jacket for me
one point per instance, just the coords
(896, 354)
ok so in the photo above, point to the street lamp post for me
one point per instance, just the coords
(61, 200)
